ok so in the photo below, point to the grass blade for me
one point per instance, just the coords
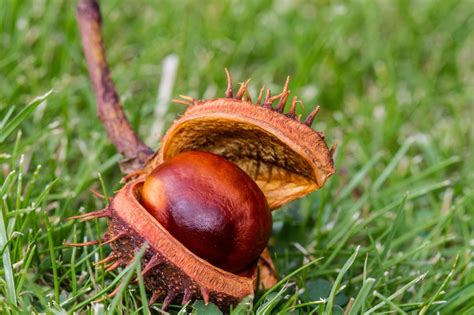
(126, 279)
(457, 299)
(6, 117)
(52, 254)
(335, 287)
(358, 177)
(272, 301)
(25, 112)
(427, 306)
(141, 286)
(394, 228)
(391, 166)
(390, 303)
(397, 293)
(285, 279)
(26, 266)
(359, 301)
(7, 264)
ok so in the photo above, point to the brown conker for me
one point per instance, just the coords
(211, 206)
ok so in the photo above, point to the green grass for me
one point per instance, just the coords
(391, 232)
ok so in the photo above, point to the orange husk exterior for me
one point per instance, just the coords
(286, 158)
(291, 161)
(178, 269)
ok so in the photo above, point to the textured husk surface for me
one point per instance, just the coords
(285, 157)
(178, 268)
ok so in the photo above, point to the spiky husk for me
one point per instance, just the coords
(171, 272)
(282, 153)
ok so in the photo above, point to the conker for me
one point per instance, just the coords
(211, 206)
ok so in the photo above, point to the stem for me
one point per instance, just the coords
(109, 108)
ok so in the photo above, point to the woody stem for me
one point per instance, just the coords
(109, 108)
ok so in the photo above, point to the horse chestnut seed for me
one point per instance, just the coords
(211, 206)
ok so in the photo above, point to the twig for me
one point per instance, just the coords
(109, 108)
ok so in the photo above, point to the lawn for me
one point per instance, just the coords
(391, 232)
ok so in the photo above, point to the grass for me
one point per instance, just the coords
(391, 232)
